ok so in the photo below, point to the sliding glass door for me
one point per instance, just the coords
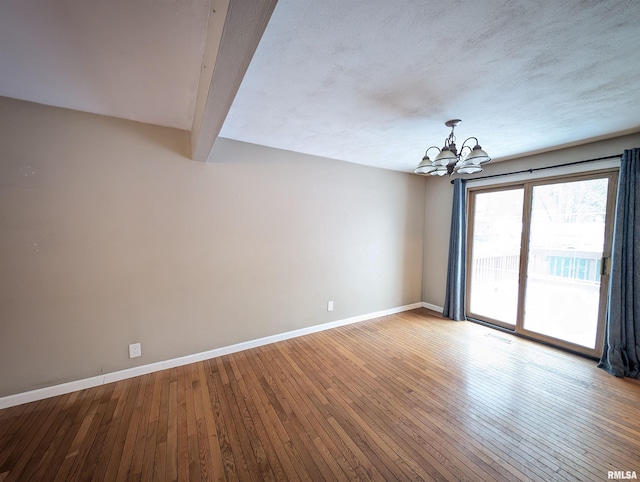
(497, 236)
(538, 258)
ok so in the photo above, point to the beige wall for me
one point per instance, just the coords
(110, 236)
(439, 196)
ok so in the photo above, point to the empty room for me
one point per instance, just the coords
(337, 240)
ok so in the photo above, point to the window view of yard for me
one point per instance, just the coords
(566, 238)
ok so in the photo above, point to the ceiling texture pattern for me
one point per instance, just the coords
(138, 59)
(364, 81)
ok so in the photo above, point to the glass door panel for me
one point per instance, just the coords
(566, 242)
(495, 255)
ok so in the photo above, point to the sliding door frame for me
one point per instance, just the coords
(471, 205)
(527, 186)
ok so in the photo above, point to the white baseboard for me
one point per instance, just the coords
(63, 388)
(431, 307)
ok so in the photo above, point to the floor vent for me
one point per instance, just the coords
(499, 338)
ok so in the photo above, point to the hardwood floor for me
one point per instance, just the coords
(405, 397)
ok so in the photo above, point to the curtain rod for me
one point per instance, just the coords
(542, 168)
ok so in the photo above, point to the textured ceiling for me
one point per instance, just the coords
(373, 81)
(365, 81)
(135, 59)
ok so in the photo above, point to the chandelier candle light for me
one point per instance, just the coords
(449, 161)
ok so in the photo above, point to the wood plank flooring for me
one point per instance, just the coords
(405, 397)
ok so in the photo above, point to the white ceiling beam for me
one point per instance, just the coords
(229, 49)
(215, 27)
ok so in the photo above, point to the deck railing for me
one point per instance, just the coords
(571, 265)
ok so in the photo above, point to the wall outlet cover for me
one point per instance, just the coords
(135, 350)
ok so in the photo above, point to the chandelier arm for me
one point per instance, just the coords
(462, 154)
(465, 141)
(429, 148)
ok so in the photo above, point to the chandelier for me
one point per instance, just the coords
(450, 161)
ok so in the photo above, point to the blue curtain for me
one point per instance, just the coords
(621, 355)
(456, 273)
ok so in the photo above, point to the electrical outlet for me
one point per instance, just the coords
(135, 350)
(330, 306)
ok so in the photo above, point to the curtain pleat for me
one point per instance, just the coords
(621, 354)
(456, 273)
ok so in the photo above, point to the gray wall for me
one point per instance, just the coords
(439, 195)
(110, 236)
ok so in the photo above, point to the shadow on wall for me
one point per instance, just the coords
(20, 116)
